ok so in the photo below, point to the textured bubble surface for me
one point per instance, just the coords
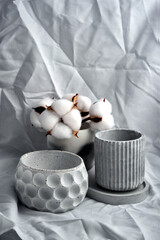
(20, 186)
(67, 203)
(53, 180)
(27, 176)
(78, 199)
(78, 177)
(67, 179)
(27, 201)
(38, 203)
(52, 205)
(60, 193)
(85, 174)
(74, 191)
(31, 190)
(39, 179)
(19, 173)
(49, 191)
(84, 186)
(45, 193)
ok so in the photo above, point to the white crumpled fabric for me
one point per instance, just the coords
(96, 48)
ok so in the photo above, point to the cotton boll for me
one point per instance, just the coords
(106, 123)
(69, 96)
(108, 106)
(84, 103)
(46, 102)
(48, 119)
(34, 118)
(100, 108)
(61, 131)
(97, 109)
(73, 119)
(62, 106)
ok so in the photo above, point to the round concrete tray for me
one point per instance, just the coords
(113, 197)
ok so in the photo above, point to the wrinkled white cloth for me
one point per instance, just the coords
(99, 49)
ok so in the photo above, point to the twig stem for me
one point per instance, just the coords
(86, 119)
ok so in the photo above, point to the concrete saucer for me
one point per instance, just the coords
(116, 197)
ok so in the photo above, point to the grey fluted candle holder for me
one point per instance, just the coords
(119, 159)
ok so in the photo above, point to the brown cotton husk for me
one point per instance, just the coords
(75, 133)
(84, 114)
(49, 108)
(74, 98)
(75, 107)
(48, 133)
(39, 109)
(96, 119)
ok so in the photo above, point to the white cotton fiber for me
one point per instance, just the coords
(61, 131)
(100, 108)
(48, 119)
(34, 118)
(84, 103)
(46, 102)
(108, 106)
(106, 123)
(73, 119)
(97, 109)
(62, 106)
(69, 96)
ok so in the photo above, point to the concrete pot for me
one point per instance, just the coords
(82, 146)
(54, 181)
(119, 159)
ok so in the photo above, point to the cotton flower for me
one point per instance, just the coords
(73, 119)
(62, 106)
(40, 107)
(61, 131)
(100, 115)
(83, 103)
(48, 119)
(107, 122)
(34, 118)
(46, 102)
(62, 118)
(69, 96)
(100, 108)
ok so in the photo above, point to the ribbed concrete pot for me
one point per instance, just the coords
(119, 159)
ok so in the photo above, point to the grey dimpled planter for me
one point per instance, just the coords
(119, 159)
(54, 181)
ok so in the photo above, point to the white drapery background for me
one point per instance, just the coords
(96, 48)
